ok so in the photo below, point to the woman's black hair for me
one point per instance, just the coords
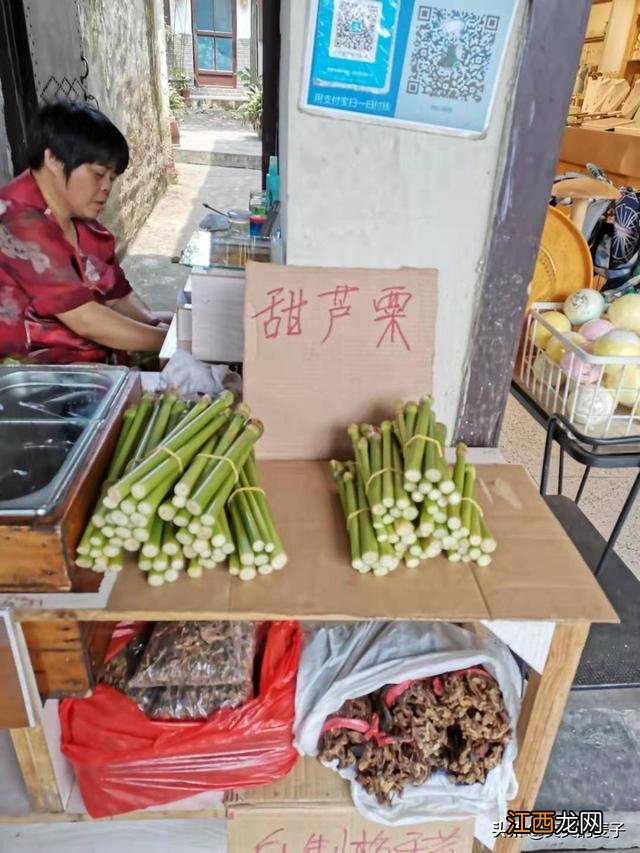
(76, 133)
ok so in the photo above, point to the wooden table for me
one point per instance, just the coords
(538, 595)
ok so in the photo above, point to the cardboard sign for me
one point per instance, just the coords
(325, 347)
(339, 830)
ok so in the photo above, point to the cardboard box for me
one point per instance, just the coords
(325, 347)
(618, 154)
(311, 810)
(217, 300)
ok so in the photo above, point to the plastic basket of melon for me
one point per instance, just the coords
(581, 358)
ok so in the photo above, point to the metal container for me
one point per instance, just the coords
(48, 417)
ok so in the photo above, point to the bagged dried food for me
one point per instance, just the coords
(193, 703)
(399, 741)
(123, 761)
(128, 642)
(198, 654)
(398, 736)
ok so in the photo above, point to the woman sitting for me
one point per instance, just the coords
(63, 294)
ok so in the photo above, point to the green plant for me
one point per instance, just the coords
(251, 110)
(180, 77)
(176, 102)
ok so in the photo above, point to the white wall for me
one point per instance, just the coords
(181, 16)
(243, 19)
(365, 195)
(615, 44)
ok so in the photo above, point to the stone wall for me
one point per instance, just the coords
(124, 43)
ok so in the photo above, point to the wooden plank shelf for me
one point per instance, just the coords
(536, 574)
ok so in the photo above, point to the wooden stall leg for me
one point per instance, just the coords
(540, 717)
(32, 752)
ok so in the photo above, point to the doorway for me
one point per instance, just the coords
(214, 42)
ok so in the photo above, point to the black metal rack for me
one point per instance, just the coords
(612, 654)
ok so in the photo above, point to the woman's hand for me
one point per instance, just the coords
(111, 329)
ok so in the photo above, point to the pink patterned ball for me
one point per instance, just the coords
(595, 329)
(579, 369)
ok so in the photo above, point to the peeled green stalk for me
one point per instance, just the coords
(160, 421)
(190, 477)
(362, 458)
(402, 498)
(150, 505)
(234, 564)
(181, 436)
(84, 545)
(170, 544)
(194, 569)
(373, 486)
(169, 469)
(243, 544)
(254, 504)
(224, 468)
(155, 578)
(178, 412)
(119, 459)
(415, 450)
(249, 521)
(278, 555)
(434, 454)
(144, 444)
(194, 412)
(353, 529)
(368, 544)
(167, 511)
(151, 547)
(475, 530)
(489, 544)
(468, 492)
(124, 450)
(446, 484)
(458, 473)
(388, 492)
(410, 417)
(400, 424)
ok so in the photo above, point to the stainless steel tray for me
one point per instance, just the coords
(48, 417)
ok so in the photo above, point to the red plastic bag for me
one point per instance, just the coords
(124, 761)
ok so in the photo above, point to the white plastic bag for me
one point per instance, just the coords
(346, 661)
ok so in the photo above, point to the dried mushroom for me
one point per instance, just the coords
(456, 723)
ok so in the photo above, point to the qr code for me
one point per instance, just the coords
(354, 34)
(451, 53)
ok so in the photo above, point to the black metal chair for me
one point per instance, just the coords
(584, 450)
(612, 653)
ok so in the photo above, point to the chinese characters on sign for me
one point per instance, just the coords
(564, 824)
(283, 314)
(362, 841)
(355, 338)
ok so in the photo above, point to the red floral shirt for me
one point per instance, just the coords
(41, 275)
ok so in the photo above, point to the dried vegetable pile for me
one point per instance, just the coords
(400, 735)
(186, 670)
(183, 492)
(402, 501)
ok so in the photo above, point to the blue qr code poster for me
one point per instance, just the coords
(428, 65)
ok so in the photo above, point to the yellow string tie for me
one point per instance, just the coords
(475, 504)
(247, 489)
(355, 513)
(425, 438)
(173, 455)
(236, 475)
(377, 474)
